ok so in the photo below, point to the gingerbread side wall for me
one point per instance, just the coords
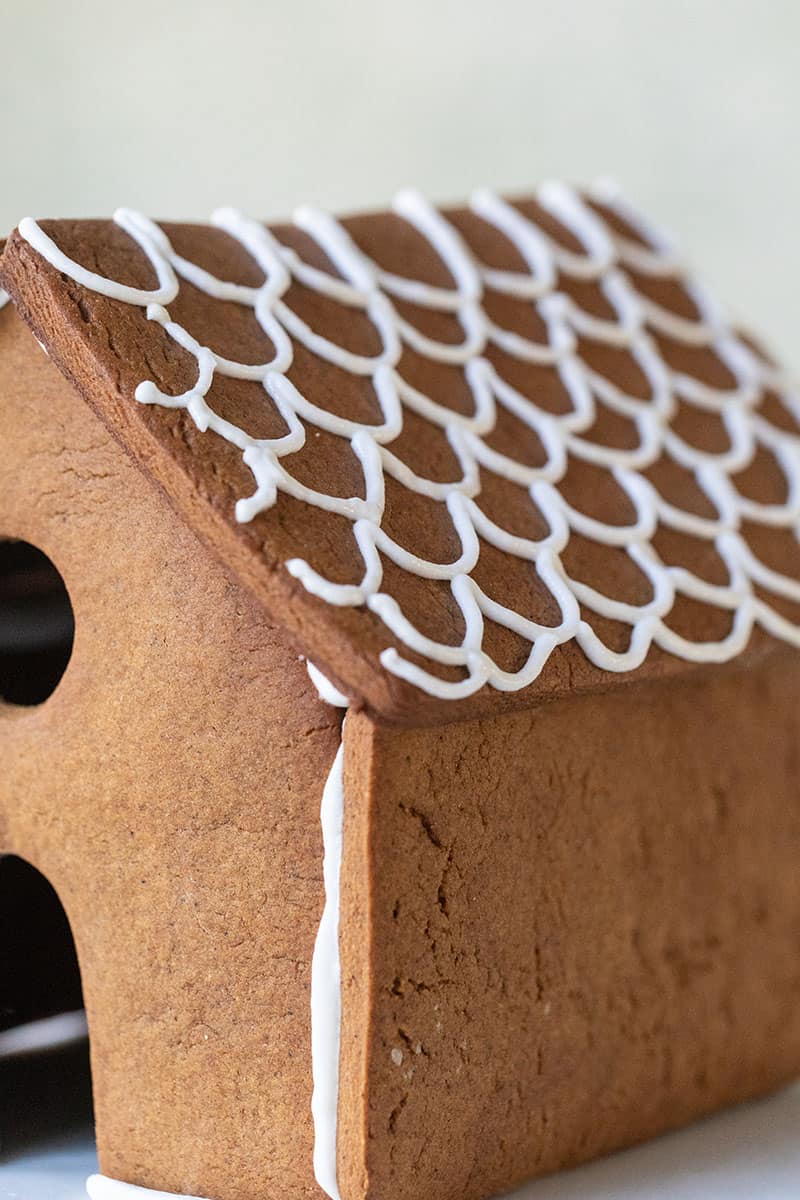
(170, 790)
(585, 927)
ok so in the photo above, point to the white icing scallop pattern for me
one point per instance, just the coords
(608, 260)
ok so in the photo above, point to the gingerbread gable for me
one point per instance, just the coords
(482, 455)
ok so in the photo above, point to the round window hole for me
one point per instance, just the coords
(37, 625)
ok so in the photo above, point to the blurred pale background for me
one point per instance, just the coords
(178, 107)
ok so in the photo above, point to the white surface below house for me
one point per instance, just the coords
(748, 1153)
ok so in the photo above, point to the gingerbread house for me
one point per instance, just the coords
(475, 532)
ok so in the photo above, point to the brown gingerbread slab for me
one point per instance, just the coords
(571, 452)
(459, 463)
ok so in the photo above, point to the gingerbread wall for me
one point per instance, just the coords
(169, 789)
(585, 926)
(562, 930)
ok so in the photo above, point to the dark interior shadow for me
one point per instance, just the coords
(43, 1097)
(47, 1091)
(37, 625)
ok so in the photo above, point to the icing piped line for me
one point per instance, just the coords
(613, 261)
(325, 1000)
(150, 241)
(325, 689)
(326, 990)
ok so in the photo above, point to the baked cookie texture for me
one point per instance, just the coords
(169, 790)
(569, 911)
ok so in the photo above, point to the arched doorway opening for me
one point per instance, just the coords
(45, 1092)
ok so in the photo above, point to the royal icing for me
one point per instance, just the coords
(326, 996)
(326, 999)
(607, 259)
(325, 689)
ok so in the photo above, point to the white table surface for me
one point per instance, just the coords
(749, 1153)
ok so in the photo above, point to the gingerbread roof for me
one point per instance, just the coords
(468, 458)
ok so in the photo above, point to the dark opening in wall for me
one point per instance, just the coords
(38, 966)
(45, 1082)
(36, 624)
